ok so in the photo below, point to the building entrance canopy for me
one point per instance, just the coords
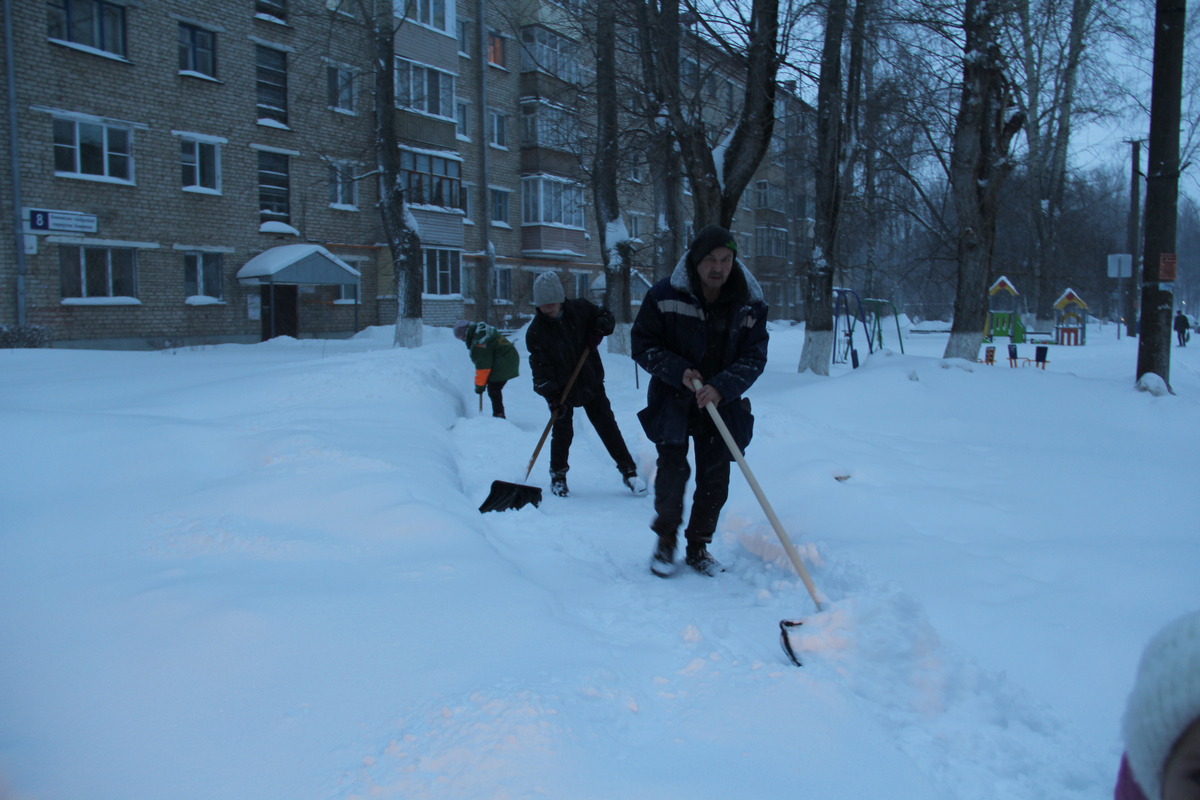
(308, 264)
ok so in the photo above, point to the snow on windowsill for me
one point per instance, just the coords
(204, 300)
(83, 48)
(497, 224)
(345, 302)
(277, 227)
(343, 207)
(80, 176)
(349, 112)
(201, 190)
(189, 73)
(101, 301)
(270, 18)
(266, 122)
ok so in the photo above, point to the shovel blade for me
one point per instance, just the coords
(505, 495)
(785, 626)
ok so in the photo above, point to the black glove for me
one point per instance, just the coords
(554, 406)
(593, 340)
(479, 389)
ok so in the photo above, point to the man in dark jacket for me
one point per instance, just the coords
(707, 322)
(561, 332)
(1182, 329)
(496, 360)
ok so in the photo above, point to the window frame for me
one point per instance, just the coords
(86, 283)
(199, 143)
(200, 264)
(409, 73)
(280, 189)
(543, 50)
(107, 155)
(536, 205)
(500, 200)
(191, 50)
(275, 9)
(425, 184)
(62, 13)
(341, 178)
(341, 91)
(497, 49)
(502, 284)
(441, 268)
(497, 132)
(263, 86)
(426, 13)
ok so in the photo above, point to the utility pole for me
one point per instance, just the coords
(1162, 191)
(1128, 297)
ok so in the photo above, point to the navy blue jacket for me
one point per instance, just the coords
(670, 336)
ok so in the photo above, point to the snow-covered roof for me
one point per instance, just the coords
(298, 264)
(1003, 283)
(1067, 298)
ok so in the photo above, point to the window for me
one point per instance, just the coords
(271, 8)
(462, 117)
(496, 52)
(428, 12)
(197, 50)
(770, 195)
(635, 226)
(343, 189)
(347, 292)
(547, 51)
(498, 128)
(549, 126)
(340, 87)
(97, 271)
(202, 275)
(770, 241)
(689, 70)
(201, 163)
(583, 284)
(273, 192)
(93, 148)
(636, 165)
(443, 272)
(92, 23)
(554, 202)
(431, 180)
(500, 205)
(570, 5)
(465, 203)
(464, 37)
(271, 87)
(424, 89)
(502, 285)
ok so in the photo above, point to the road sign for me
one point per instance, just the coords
(1120, 265)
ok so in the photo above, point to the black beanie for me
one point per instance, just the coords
(707, 240)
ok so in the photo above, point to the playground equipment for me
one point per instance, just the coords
(877, 321)
(1069, 314)
(841, 305)
(1004, 322)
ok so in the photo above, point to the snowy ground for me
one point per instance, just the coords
(259, 572)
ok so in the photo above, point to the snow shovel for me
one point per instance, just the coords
(505, 495)
(787, 624)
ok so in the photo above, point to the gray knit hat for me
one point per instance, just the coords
(548, 289)
(460, 328)
(1165, 700)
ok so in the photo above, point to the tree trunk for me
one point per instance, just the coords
(978, 164)
(818, 300)
(1162, 192)
(664, 157)
(399, 226)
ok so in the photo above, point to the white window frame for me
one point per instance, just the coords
(463, 34)
(276, 115)
(426, 12)
(543, 50)
(462, 120)
(547, 125)
(441, 269)
(102, 10)
(412, 76)
(196, 260)
(199, 142)
(267, 215)
(497, 128)
(494, 195)
(74, 147)
(634, 226)
(550, 200)
(343, 186)
(193, 67)
(502, 285)
(340, 89)
(106, 253)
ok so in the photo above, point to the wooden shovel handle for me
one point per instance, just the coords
(554, 416)
(762, 498)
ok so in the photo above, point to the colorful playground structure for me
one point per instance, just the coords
(1070, 313)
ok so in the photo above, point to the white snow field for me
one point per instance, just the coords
(259, 572)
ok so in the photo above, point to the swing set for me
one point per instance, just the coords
(874, 330)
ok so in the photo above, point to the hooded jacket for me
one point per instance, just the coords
(671, 335)
(555, 346)
(494, 357)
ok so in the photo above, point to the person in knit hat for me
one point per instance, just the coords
(1162, 718)
(707, 322)
(561, 332)
(496, 360)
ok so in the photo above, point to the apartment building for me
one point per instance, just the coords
(206, 172)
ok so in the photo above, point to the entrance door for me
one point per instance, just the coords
(286, 304)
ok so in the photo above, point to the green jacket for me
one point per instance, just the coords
(494, 356)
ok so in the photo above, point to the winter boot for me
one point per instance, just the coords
(635, 484)
(558, 484)
(699, 559)
(662, 563)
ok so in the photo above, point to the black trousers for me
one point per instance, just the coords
(599, 413)
(494, 394)
(1183, 337)
(712, 485)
